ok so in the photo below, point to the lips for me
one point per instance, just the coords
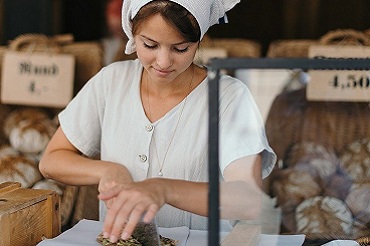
(161, 73)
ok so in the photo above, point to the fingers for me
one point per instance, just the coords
(115, 219)
(128, 205)
(124, 214)
(135, 218)
(150, 214)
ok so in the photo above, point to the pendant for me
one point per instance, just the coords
(160, 174)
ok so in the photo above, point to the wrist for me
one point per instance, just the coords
(111, 169)
(166, 187)
(162, 187)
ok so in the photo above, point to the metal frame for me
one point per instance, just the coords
(214, 67)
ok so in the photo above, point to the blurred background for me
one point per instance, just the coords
(260, 20)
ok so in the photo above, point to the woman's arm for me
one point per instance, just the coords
(240, 193)
(61, 161)
(240, 197)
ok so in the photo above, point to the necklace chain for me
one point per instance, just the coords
(160, 173)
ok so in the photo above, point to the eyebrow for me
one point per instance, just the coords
(183, 42)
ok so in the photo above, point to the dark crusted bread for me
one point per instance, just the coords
(134, 242)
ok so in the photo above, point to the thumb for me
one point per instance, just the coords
(109, 193)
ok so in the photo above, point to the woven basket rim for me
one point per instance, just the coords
(235, 47)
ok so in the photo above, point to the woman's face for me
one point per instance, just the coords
(162, 50)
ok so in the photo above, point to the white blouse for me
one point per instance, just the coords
(108, 118)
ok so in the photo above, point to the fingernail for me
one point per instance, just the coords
(105, 234)
(125, 235)
(113, 239)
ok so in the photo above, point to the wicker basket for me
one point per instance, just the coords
(290, 48)
(300, 47)
(293, 119)
(235, 47)
(345, 37)
(88, 55)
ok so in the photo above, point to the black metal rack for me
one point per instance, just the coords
(214, 67)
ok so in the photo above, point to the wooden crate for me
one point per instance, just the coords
(27, 215)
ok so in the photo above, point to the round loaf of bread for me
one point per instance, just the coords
(319, 161)
(324, 218)
(355, 161)
(358, 201)
(291, 187)
(6, 149)
(337, 186)
(13, 118)
(49, 184)
(19, 169)
(31, 136)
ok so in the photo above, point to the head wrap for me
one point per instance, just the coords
(206, 12)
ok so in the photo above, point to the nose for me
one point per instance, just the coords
(164, 59)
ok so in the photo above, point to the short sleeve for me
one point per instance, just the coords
(242, 130)
(81, 120)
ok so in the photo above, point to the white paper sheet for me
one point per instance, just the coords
(84, 233)
(342, 243)
(281, 240)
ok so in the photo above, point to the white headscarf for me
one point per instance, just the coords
(206, 12)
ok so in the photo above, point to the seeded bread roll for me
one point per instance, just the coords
(131, 241)
(128, 242)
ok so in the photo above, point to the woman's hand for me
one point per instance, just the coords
(129, 203)
(111, 177)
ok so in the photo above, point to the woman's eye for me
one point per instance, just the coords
(181, 50)
(150, 46)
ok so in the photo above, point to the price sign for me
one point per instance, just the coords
(343, 85)
(37, 79)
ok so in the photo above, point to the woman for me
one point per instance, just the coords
(148, 121)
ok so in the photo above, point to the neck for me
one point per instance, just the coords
(158, 100)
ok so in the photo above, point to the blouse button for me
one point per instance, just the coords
(143, 158)
(149, 128)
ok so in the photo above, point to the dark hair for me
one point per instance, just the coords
(176, 14)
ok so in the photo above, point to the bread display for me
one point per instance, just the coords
(316, 185)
